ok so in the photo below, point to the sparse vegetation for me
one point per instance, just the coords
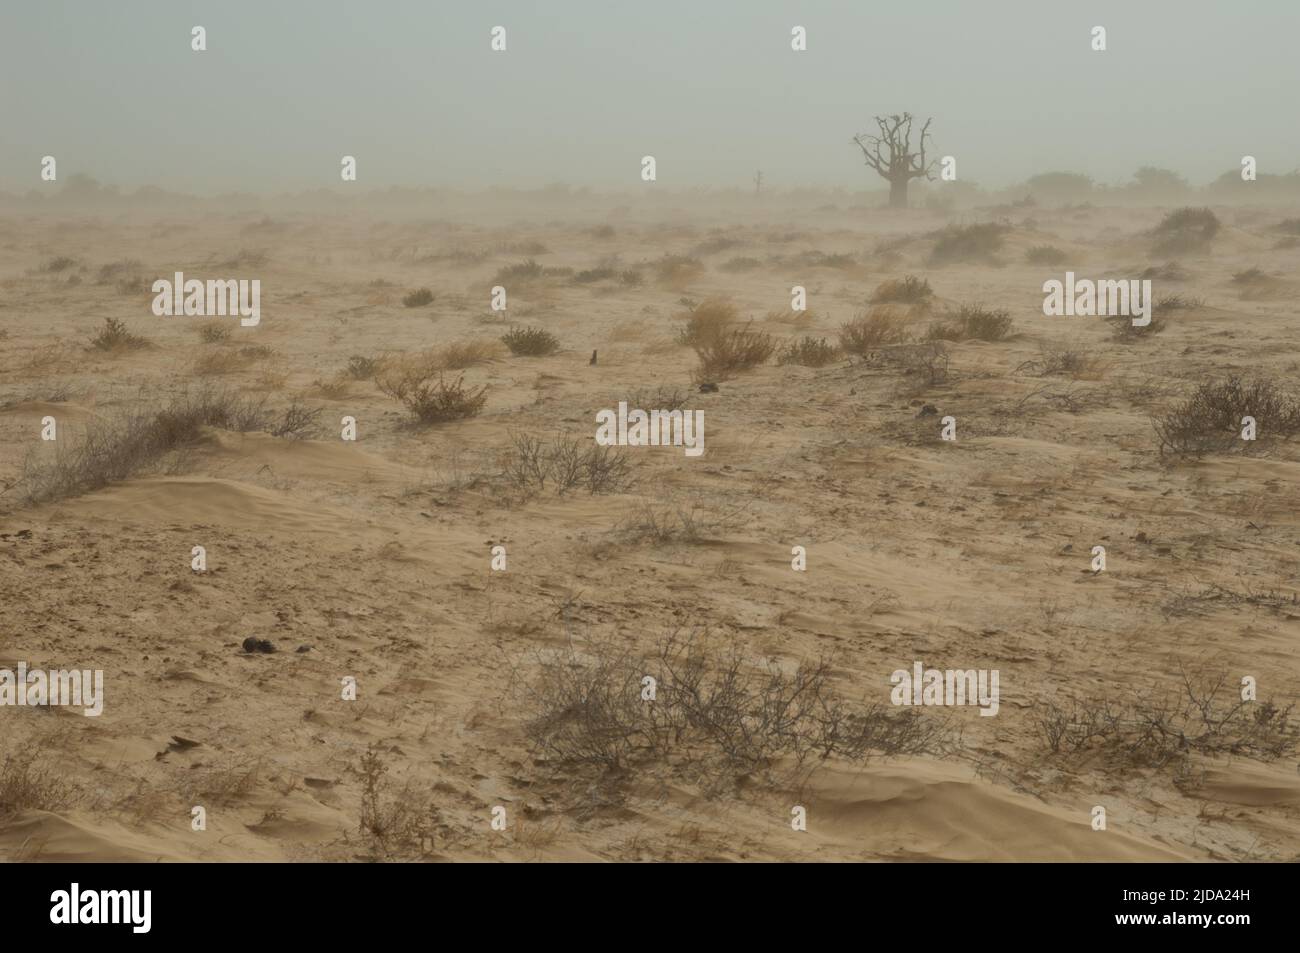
(971, 321)
(868, 333)
(718, 715)
(1186, 230)
(297, 422)
(530, 342)
(395, 821)
(675, 271)
(1210, 420)
(565, 463)
(362, 368)
(809, 351)
(1201, 716)
(418, 298)
(107, 453)
(706, 321)
(969, 243)
(1046, 255)
(906, 290)
(430, 400)
(114, 336)
(738, 349)
(213, 332)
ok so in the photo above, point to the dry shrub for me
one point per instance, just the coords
(1177, 302)
(28, 782)
(1169, 271)
(868, 333)
(108, 453)
(530, 342)
(1203, 715)
(972, 321)
(118, 270)
(662, 397)
(718, 718)
(527, 272)
(418, 298)
(60, 263)
(114, 336)
(333, 388)
(730, 351)
(928, 360)
(565, 463)
(969, 243)
(430, 400)
(396, 821)
(1045, 255)
(739, 265)
(225, 361)
(1071, 360)
(906, 290)
(1186, 230)
(297, 422)
(706, 321)
(462, 354)
(362, 368)
(213, 332)
(809, 351)
(675, 271)
(1210, 419)
(1124, 331)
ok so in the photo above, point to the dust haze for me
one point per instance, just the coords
(649, 434)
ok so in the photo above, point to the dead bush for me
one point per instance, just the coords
(530, 342)
(1185, 230)
(675, 271)
(28, 782)
(565, 463)
(1202, 715)
(972, 321)
(969, 243)
(430, 400)
(809, 351)
(1045, 255)
(928, 360)
(1124, 331)
(868, 333)
(717, 719)
(213, 332)
(297, 422)
(418, 298)
(906, 290)
(706, 321)
(396, 821)
(108, 453)
(114, 336)
(362, 368)
(736, 350)
(1210, 420)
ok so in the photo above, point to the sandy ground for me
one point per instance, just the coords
(375, 555)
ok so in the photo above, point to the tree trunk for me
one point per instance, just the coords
(898, 192)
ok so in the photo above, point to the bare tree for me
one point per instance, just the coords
(890, 154)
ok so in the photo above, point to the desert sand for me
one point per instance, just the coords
(372, 559)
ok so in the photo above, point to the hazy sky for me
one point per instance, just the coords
(711, 88)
